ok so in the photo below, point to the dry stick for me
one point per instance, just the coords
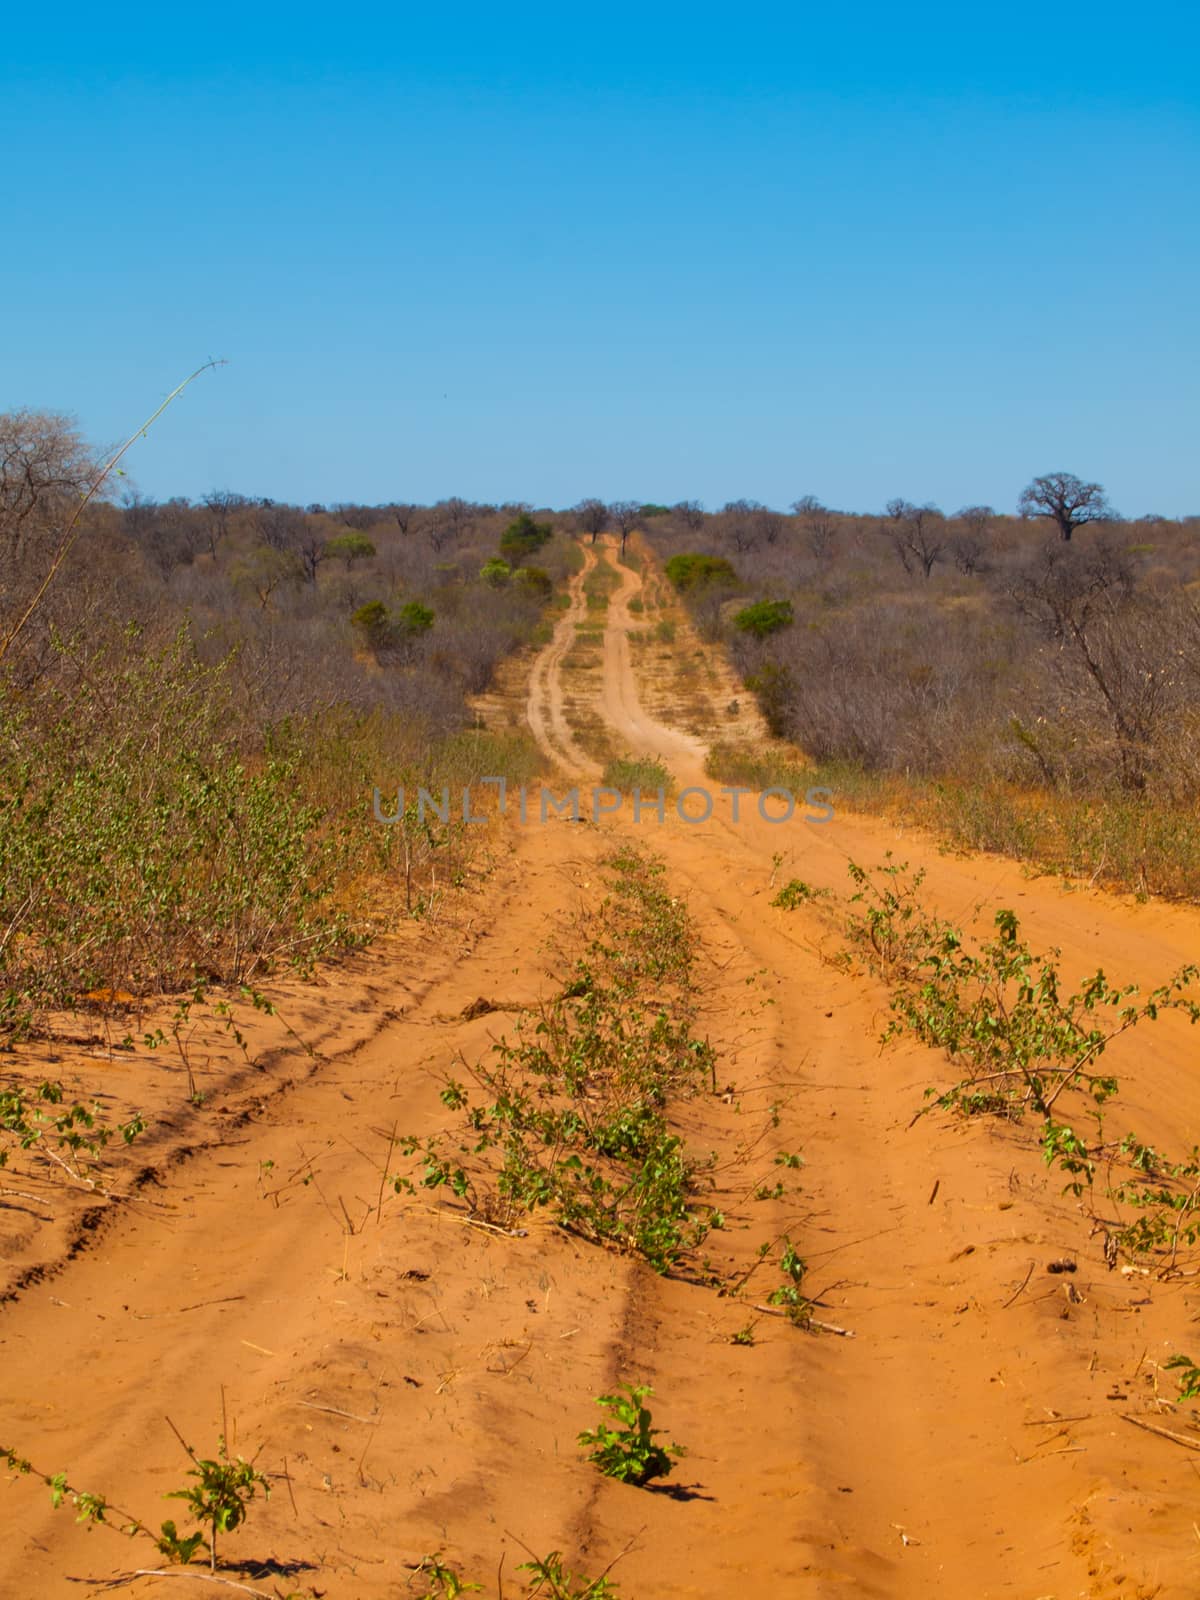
(383, 1174)
(359, 1468)
(287, 1478)
(71, 532)
(200, 1577)
(811, 1322)
(191, 1454)
(474, 1222)
(312, 1405)
(1024, 1281)
(1179, 1438)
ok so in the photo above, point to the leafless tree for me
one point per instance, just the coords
(360, 518)
(279, 526)
(167, 533)
(591, 517)
(1066, 500)
(690, 513)
(969, 548)
(820, 525)
(625, 516)
(311, 549)
(219, 506)
(45, 467)
(1108, 632)
(917, 534)
(968, 552)
(976, 519)
(448, 520)
(770, 525)
(743, 524)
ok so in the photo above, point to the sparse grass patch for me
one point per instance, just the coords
(599, 585)
(1119, 842)
(628, 773)
(570, 1111)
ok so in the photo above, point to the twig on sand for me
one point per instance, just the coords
(334, 1411)
(1024, 1281)
(475, 1222)
(1166, 1433)
(808, 1322)
(200, 1577)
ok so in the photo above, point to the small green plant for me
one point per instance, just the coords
(893, 930)
(219, 1500)
(744, 1335)
(70, 1137)
(548, 1578)
(1189, 1376)
(441, 1581)
(795, 893)
(789, 1294)
(222, 1493)
(629, 1453)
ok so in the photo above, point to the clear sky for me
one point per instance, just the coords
(656, 251)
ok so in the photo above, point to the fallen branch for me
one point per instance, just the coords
(200, 1577)
(808, 1322)
(1179, 1438)
(372, 1422)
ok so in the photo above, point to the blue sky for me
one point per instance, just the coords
(654, 252)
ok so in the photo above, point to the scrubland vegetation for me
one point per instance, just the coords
(194, 712)
(1029, 684)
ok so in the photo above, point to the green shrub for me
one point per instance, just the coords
(372, 620)
(496, 572)
(524, 537)
(139, 846)
(764, 617)
(350, 547)
(535, 581)
(689, 572)
(414, 618)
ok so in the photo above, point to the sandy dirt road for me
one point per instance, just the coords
(413, 1383)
